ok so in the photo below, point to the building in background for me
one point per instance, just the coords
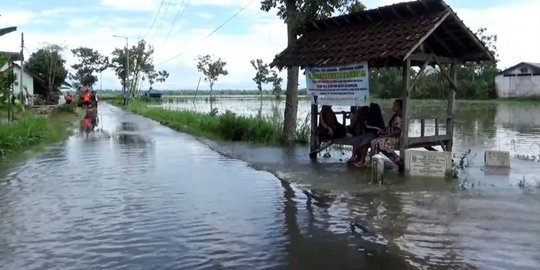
(521, 80)
(27, 86)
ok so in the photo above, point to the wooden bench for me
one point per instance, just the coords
(423, 141)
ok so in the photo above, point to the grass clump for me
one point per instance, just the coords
(228, 126)
(33, 132)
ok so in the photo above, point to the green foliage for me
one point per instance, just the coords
(262, 72)
(211, 69)
(48, 64)
(227, 126)
(300, 12)
(297, 14)
(386, 83)
(141, 65)
(475, 80)
(89, 61)
(157, 76)
(32, 131)
(21, 134)
(6, 79)
(276, 84)
(65, 108)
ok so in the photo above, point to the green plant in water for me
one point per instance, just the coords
(304, 130)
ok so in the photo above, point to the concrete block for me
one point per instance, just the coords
(377, 169)
(428, 163)
(493, 158)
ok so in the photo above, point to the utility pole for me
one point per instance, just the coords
(21, 85)
(127, 74)
(10, 97)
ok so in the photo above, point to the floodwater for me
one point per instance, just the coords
(137, 195)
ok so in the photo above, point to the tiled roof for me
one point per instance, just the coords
(384, 36)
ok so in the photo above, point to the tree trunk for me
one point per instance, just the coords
(211, 97)
(291, 94)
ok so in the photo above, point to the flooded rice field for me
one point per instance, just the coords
(137, 195)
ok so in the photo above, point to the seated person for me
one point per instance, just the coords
(358, 121)
(329, 127)
(374, 123)
(389, 140)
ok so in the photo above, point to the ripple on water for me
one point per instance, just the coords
(170, 203)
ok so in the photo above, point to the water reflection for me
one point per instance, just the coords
(148, 197)
(320, 236)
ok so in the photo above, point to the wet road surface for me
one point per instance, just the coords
(137, 195)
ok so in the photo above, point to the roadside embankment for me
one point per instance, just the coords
(227, 126)
(32, 132)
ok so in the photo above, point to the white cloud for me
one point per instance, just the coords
(516, 26)
(205, 15)
(134, 5)
(263, 37)
(221, 3)
(16, 17)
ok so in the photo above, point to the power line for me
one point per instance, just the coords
(155, 18)
(167, 4)
(179, 14)
(215, 30)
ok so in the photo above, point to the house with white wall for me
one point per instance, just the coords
(521, 80)
(28, 79)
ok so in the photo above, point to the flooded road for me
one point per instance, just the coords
(137, 195)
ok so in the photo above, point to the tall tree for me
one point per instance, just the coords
(157, 76)
(141, 65)
(296, 13)
(48, 64)
(211, 70)
(90, 61)
(477, 79)
(262, 72)
(276, 84)
(6, 79)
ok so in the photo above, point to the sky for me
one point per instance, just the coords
(180, 30)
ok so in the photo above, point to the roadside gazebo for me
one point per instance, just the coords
(411, 34)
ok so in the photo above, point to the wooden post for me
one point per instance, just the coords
(450, 111)
(314, 142)
(422, 127)
(405, 112)
(436, 126)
